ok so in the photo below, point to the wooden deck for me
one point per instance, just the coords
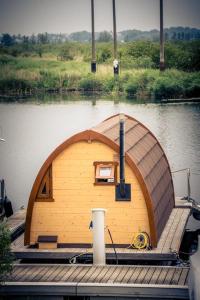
(16, 223)
(167, 249)
(121, 281)
(87, 280)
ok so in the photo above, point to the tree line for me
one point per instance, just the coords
(181, 55)
(171, 34)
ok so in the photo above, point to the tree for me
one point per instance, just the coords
(43, 38)
(7, 40)
(80, 36)
(105, 36)
(33, 39)
(6, 257)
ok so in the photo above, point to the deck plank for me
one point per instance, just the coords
(128, 275)
(23, 271)
(135, 275)
(183, 277)
(176, 276)
(82, 273)
(57, 271)
(176, 240)
(59, 276)
(30, 273)
(155, 275)
(149, 274)
(16, 223)
(39, 274)
(142, 274)
(73, 276)
(175, 221)
(102, 273)
(169, 276)
(122, 274)
(97, 272)
(162, 276)
(106, 277)
(166, 230)
(15, 271)
(87, 276)
(69, 271)
(114, 275)
(50, 275)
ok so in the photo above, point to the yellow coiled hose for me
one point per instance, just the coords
(140, 240)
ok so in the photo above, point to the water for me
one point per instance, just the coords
(32, 131)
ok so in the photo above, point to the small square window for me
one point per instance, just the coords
(105, 173)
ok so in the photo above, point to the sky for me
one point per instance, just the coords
(66, 16)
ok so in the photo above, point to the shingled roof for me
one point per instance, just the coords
(150, 163)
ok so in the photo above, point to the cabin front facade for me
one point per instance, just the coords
(83, 173)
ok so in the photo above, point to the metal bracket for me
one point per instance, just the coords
(127, 192)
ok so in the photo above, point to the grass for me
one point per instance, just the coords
(21, 74)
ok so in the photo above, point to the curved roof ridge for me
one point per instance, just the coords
(148, 155)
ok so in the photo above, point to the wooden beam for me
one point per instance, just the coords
(54, 255)
(93, 62)
(162, 55)
(116, 69)
(133, 291)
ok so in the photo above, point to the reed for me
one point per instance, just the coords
(31, 73)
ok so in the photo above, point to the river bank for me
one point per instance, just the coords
(23, 76)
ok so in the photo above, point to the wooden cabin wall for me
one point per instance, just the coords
(75, 194)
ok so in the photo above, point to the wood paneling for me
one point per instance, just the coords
(75, 195)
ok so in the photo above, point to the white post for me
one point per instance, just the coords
(99, 253)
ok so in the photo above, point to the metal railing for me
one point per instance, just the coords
(188, 181)
(195, 204)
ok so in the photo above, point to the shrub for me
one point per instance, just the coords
(104, 54)
(140, 84)
(5, 59)
(73, 81)
(131, 87)
(65, 54)
(113, 84)
(15, 84)
(167, 87)
(48, 80)
(144, 62)
(6, 257)
(91, 83)
(192, 85)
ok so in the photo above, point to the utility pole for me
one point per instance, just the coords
(115, 62)
(93, 62)
(162, 55)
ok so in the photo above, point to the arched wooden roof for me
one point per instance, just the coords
(143, 154)
(149, 158)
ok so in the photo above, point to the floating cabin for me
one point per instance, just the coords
(90, 170)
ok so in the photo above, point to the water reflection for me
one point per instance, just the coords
(33, 130)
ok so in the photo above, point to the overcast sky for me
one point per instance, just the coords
(66, 16)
